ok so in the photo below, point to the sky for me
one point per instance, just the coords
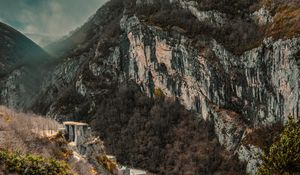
(45, 21)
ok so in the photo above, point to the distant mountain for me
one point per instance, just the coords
(22, 65)
(82, 38)
(42, 39)
(16, 49)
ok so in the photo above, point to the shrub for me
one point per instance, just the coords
(263, 137)
(108, 164)
(284, 154)
(32, 165)
(158, 93)
(230, 7)
(286, 23)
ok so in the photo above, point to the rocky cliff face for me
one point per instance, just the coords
(259, 87)
(236, 91)
(260, 84)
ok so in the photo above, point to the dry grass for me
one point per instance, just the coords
(81, 166)
(17, 129)
(286, 23)
(109, 165)
(286, 20)
(32, 134)
(24, 132)
(264, 136)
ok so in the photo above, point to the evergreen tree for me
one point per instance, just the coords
(284, 155)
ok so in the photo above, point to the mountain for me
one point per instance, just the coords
(83, 37)
(42, 39)
(180, 86)
(22, 64)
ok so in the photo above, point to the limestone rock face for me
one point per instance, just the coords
(229, 129)
(212, 17)
(10, 92)
(262, 82)
(262, 16)
(250, 154)
(92, 151)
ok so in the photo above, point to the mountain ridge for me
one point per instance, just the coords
(236, 70)
(239, 85)
(22, 66)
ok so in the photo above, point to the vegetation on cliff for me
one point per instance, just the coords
(13, 162)
(159, 135)
(30, 144)
(263, 137)
(238, 35)
(284, 155)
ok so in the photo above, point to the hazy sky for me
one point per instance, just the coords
(45, 20)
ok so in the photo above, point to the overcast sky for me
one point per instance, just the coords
(45, 20)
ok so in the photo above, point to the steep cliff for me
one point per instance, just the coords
(233, 64)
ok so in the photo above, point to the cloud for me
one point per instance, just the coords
(46, 20)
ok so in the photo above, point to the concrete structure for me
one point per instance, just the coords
(130, 171)
(77, 132)
(112, 158)
(82, 142)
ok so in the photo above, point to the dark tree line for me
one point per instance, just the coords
(159, 135)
